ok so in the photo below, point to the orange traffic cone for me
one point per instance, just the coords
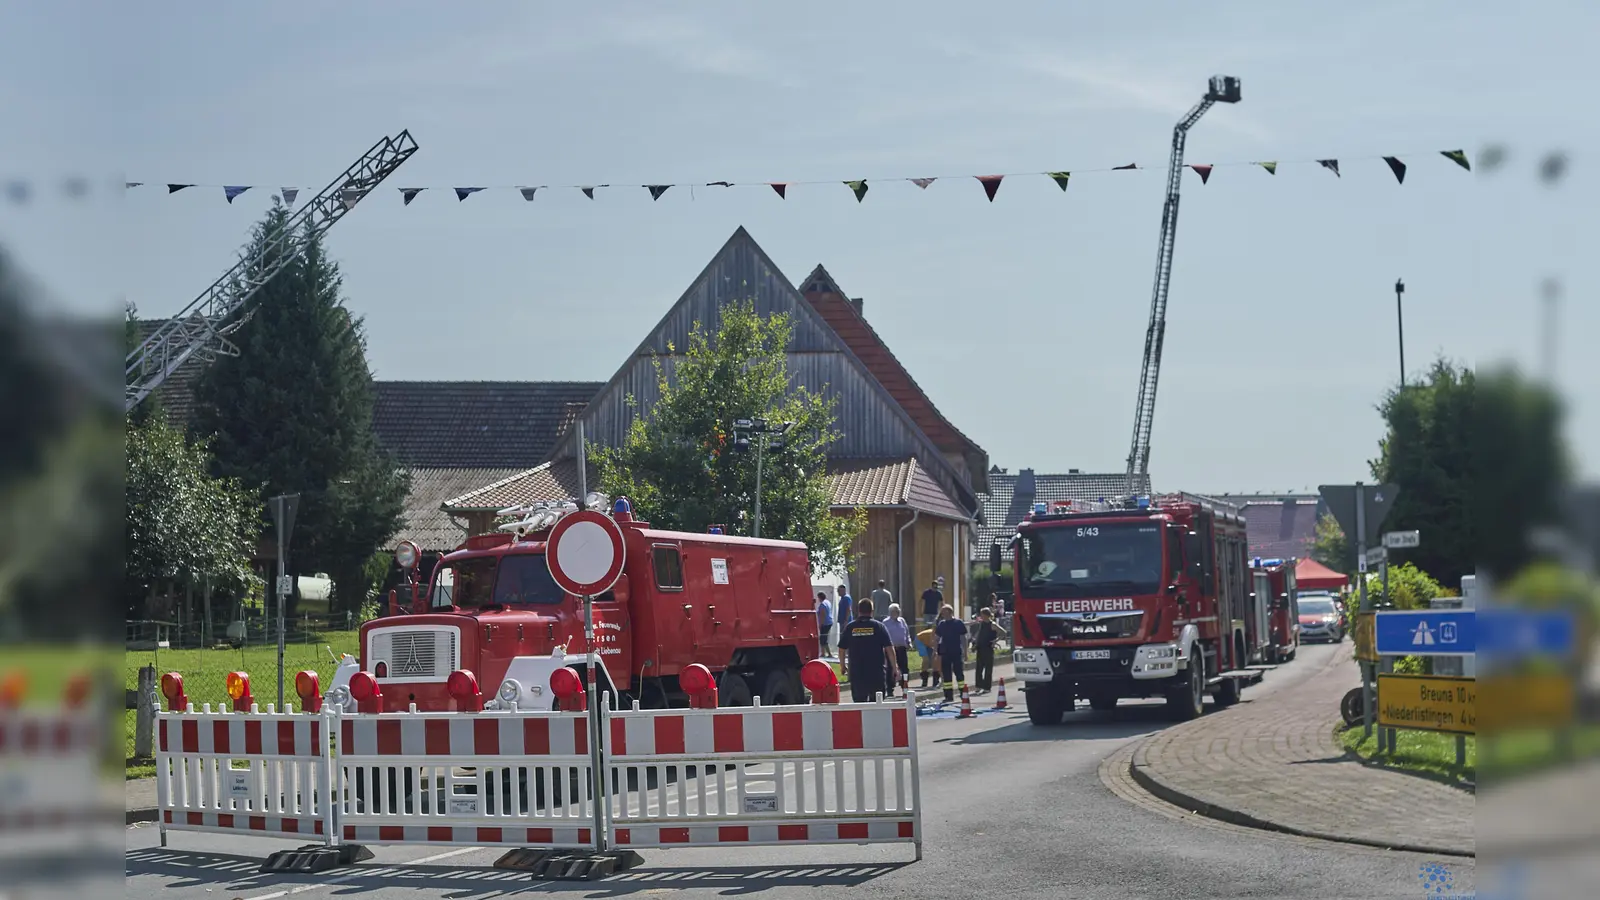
(1000, 698)
(966, 704)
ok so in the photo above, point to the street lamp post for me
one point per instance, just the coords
(1400, 319)
(763, 432)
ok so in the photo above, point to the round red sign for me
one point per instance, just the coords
(585, 553)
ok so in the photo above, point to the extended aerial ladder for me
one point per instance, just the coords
(201, 329)
(1222, 89)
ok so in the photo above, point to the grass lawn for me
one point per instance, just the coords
(204, 672)
(1420, 751)
(1523, 752)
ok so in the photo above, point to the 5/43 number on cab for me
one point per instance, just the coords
(1090, 531)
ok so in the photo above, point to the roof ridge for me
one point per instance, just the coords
(912, 467)
(457, 501)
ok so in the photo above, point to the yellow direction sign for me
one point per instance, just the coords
(1428, 703)
(1528, 700)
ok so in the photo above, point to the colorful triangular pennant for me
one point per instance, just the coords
(1458, 157)
(656, 190)
(779, 187)
(288, 195)
(1271, 167)
(174, 188)
(1397, 167)
(1332, 165)
(1204, 172)
(232, 191)
(922, 182)
(528, 192)
(991, 183)
(1061, 178)
(858, 187)
(463, 193)
(409, 194)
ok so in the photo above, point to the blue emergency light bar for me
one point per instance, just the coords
(1144, 502)
(1041, 508)
(622, 506)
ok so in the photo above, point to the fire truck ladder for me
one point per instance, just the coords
(201, 329)
(1223, 89)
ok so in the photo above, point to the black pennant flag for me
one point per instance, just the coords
(409, 194)
(134, 184)
(779, 187)
(587, 192)
(174, 188)
(1397, 167)
(463, 193)
(288, 195)
(1332, 165)
(232, 191)
(1128, 166)
(719, 184)
(656, 190)
(528, 192)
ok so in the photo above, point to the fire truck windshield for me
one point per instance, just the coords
(489, 581)
(1069, 560)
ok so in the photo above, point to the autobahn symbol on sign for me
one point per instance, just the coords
(1439, 632)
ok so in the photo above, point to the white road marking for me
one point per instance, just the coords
(348, 878)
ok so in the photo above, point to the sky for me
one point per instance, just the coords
(1023, 318)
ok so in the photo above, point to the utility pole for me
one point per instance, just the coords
(1400, 320)
(283, 509)
(763, 432)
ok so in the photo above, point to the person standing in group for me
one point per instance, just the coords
(930, 668)
(900, 638)
(843, 610)
(985, 633)
(932, 599)
(861, 643)
(881, 598)
(824, 621)
(951, 635)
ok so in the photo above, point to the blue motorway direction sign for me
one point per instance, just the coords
(1513, 634)
(1438, 632)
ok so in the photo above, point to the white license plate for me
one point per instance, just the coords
(1091, 654)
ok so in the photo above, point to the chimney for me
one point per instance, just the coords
(1025, 484)
(856, 302)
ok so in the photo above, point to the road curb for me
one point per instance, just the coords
(138, 816)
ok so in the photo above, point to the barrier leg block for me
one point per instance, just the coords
(314, 858)
(569, 865)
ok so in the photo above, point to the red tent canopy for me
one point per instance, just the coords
(1312, 575)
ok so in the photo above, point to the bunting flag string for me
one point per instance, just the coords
(22, 192)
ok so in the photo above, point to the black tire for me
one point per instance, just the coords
(734, 690)
(1227, 693)
(782, 689)
(1186, 700)
(1102, 702)
(1350, 708)
(1044, 705)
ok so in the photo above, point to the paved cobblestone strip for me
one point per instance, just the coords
(1276, 764)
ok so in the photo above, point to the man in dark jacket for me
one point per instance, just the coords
(932, 599)
(867, 654)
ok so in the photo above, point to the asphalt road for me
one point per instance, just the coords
(1009, 808)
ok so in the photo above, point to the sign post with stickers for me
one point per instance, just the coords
(586, 554)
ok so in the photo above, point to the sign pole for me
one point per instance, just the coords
(1365, 603)
(283, 573)
(597, 783)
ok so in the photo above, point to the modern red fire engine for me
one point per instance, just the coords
(740, 606)
(1274, 580)
(1139, 598)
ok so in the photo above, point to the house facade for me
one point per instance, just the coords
(898, 458)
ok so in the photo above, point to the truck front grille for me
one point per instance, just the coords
(414, 654)
(1090, 626)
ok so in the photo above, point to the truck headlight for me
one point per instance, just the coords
(1164, 652)
(510, 691)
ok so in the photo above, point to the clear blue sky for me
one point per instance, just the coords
(1023, 319)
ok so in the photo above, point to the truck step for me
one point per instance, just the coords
(1248, 676)
(1263, 668)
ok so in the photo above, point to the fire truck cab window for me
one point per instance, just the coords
(669, 568)
(465, 583)
(1174, 554)
(1092, 560)
(524, 579)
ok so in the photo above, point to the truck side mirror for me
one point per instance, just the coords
(995, 560)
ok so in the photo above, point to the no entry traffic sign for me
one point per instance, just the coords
(585, 553)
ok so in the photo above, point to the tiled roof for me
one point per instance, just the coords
(889, 482)
(854, 482)
(176, 393)
(844, 316)
(426, 524)
(493, 424)
(1004, 507)
(1281, 530)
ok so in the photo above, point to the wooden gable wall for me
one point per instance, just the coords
(870, 422)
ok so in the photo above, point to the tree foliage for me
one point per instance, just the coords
(293, 414)
(1330, 547)
(183, 524)
(678, 465)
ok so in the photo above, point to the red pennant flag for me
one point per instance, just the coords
(780, 187)
(1204, 172)
(991, 183)
(1128, 166)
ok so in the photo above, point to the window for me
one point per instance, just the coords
(525, 579)
(669, 568)
(1174, 554)
(1105, 559)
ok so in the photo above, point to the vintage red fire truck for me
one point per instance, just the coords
(1274, 580)
(492, 627)
(1137, 598)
